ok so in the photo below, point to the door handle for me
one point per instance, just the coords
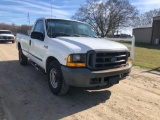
(29, 42)
(45, 46)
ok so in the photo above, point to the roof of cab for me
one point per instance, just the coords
(62, 19)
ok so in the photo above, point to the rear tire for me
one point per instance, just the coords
(55, 79)
(22, 58)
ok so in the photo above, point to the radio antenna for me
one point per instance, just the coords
(28, 17)
(51, 8)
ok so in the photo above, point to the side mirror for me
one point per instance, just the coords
(29, 32)
(37, 35)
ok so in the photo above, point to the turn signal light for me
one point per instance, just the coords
(71, 63)
(129, 59)
(76, 64)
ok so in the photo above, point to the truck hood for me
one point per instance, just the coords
(84, 44)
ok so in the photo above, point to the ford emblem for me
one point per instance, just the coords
(113, 59)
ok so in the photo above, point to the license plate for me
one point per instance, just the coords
(113, 80)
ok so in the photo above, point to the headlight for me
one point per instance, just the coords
(76, 60)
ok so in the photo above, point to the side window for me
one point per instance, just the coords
(39, 27)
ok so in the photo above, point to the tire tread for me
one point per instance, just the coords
(24, 58)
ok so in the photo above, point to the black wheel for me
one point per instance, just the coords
(22, 59)
(56, 80)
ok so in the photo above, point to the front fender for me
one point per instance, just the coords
(59, 52)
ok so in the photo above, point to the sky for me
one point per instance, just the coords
(16, 11)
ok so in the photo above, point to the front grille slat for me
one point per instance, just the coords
(105, 60)
(110, 62)
(110, 56)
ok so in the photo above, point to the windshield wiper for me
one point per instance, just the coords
(65, 34)
(85, 35)
(60, 34)
(79, 35)
(75, 35)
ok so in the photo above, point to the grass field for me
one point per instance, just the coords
(147, 56)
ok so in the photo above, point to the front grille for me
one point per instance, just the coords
(7, 37)
(99, 60)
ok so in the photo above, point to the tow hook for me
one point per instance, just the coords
(124, 75)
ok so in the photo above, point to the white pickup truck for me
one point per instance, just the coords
(6, 36)
(72, 55)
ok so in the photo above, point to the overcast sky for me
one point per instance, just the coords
(16, 11)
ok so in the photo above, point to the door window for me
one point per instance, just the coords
(39, 27)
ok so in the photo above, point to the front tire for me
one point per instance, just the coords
(55, 79)
(22, 58)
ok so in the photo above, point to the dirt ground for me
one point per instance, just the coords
(25, 95)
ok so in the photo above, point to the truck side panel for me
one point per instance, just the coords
(24, 42)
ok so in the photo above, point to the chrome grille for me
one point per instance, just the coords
(99, 60)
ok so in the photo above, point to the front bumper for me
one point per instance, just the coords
(84, 77)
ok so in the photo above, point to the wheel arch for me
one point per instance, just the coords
(49, 60)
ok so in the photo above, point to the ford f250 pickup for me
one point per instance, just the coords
(71, 54)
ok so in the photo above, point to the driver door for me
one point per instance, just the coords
(37, 48)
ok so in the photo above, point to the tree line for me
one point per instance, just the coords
(15, 28)
(146, 18)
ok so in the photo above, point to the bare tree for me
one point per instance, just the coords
(107, 16)
(146, 18)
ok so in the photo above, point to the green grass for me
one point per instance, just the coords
(147, 56)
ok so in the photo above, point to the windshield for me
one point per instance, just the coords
(57, 28)
(5, 32)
